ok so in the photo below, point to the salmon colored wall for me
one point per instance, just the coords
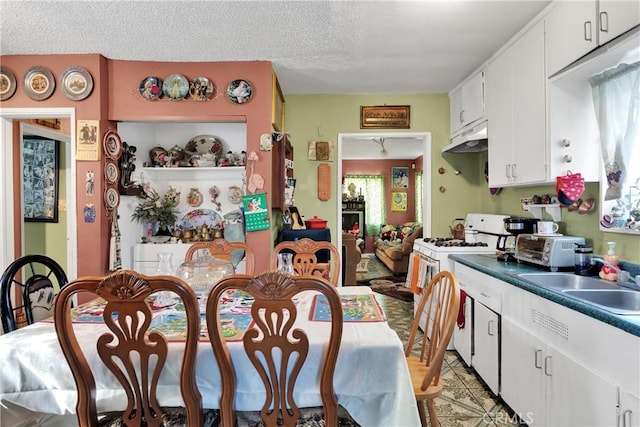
(115, 97)
(383, 167)
(92, 237)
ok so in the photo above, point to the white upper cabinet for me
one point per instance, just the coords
(575, 28)
(467, 102)
(516, 87)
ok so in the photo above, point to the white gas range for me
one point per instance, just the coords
(432, 254)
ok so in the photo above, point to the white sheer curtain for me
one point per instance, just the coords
(372, 187)
(419, 196)
(616, 98)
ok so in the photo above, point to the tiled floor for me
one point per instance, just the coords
(465, 401)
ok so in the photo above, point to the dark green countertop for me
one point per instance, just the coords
(505, 271)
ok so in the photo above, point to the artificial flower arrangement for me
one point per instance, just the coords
(153, 208)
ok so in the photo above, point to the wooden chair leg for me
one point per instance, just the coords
(423, 415)
(433, 415)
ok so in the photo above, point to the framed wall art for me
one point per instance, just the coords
(385, 117)
(400, 177)
(277, 107)
(40, 179)
(398, 201)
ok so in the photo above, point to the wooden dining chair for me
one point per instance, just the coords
(33, 280)
(441, 298)
(221, 248)
(305, 259)
(277, 349)
(135, 355)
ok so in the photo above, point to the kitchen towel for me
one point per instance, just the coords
(461, 319)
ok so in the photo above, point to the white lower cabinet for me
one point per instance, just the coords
(545, 387)
(629, 410)
(486, 344)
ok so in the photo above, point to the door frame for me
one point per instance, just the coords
(7, 183)
(426, 173)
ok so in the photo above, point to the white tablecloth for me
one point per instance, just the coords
(371, 381)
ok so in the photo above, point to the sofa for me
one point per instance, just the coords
(395, 244)
(351, 256)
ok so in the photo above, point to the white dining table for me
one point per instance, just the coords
(371, 380)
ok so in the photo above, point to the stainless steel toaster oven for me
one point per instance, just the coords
(551, 252)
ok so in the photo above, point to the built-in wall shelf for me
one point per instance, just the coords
(194, 172)
(553, 209)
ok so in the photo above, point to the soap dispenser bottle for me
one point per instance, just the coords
(610, 272)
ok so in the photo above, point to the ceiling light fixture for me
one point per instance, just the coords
(383, 150)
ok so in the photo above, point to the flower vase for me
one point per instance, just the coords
(163, 231)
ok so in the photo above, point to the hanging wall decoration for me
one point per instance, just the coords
(256, 215)
(87, 148)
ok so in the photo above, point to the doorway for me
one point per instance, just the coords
(405, 145)
(11, 242)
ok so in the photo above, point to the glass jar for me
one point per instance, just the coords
(165, 265)
(204, 272)
(285, 262)
(582, 259)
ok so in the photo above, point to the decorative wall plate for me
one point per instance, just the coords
(39, 83)
(76, 83)
(235, 195)
(239, 91)
(197, 217)
(112, 145)
(151, 88)
(203, 144)
(111, 172)
(7, 84)
(201, 89)
(176, 86)
(111, 198)
(194, 197)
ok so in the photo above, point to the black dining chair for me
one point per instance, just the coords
(37, 278)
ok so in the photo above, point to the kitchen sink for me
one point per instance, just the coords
(566, 281)
(618, 301)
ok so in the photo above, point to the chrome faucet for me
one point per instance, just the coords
(601, 261)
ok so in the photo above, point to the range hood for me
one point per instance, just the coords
(472, 140)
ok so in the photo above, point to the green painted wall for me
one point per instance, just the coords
(323, 117)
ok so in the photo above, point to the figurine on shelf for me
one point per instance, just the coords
(126, 164)
(241, 158)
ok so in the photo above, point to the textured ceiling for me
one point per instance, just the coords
(317, 47)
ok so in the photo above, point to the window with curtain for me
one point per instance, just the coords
(372, 187)
(616, 99)
(419, 197)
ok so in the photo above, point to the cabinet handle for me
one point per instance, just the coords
(604, 22)
(565, 142)
(624, 418)
(462, 116)
(547, 366)
(567, 158)
(513, 171)
(536, 361)
(587, 30)
(508, 171)
(490, 328)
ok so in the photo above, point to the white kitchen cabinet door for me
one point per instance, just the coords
(516, 111)
(473, 98)
(575, 395)
(462, 338)
(616, 17)
(486, 344)
(467, 103)
(529, 101)
(522, 383)
(498, 80)
(629, 410)
(571, 31)
(455, 109)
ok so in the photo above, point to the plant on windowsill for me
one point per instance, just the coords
(155, 209)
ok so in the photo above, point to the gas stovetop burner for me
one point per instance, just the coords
(451, 242)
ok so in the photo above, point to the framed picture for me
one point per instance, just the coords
(400, 177)
(385, 117)
(277, 107)
(398, 201)
(40, 179)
